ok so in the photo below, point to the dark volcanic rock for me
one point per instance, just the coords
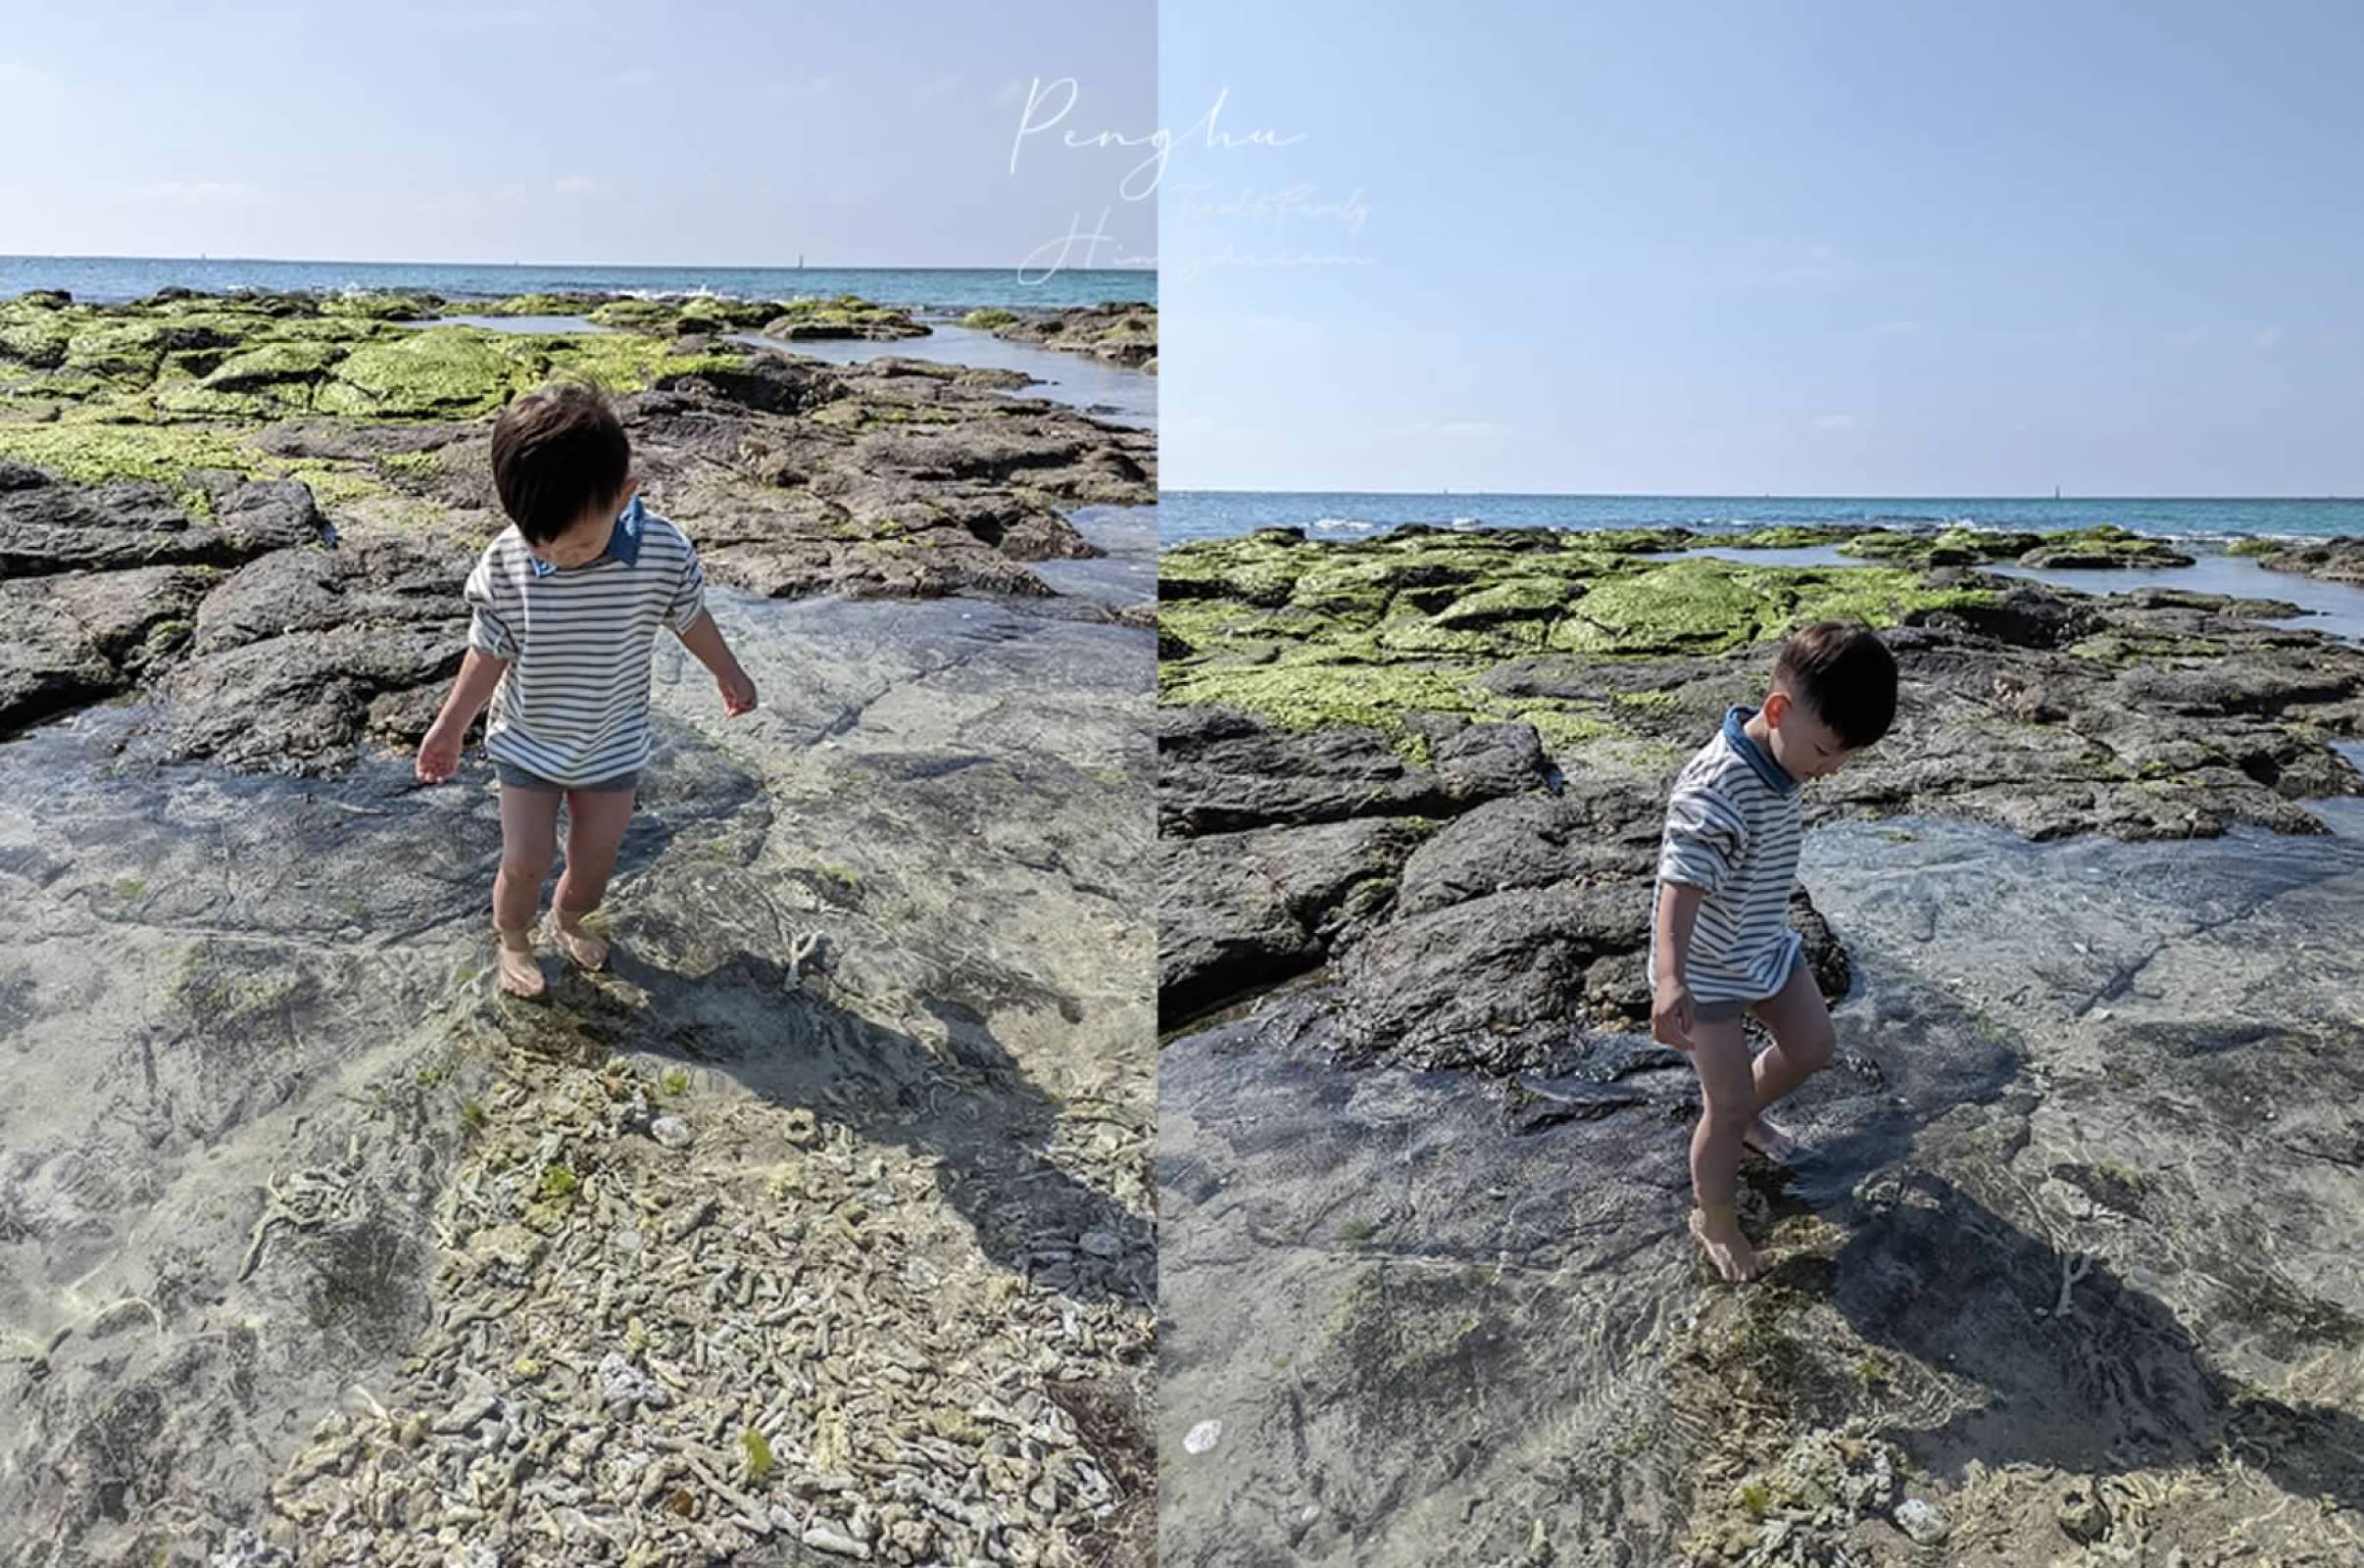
(2150, 714)
(1221, 771)
(2333, 561)
(81, 637)
(1530, 840)
(1122, 335)
(1245, 910)
(47, 526)
(1490, 983)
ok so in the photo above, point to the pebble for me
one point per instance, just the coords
(511, 1246)
(820, 1537)
(2081, 1514)
(1101, 1243)
(1924, 1521)
(672, 1132)
(623, 1383)
(1203, 1437)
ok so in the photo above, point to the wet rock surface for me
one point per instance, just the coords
(1530, 752)
(817, 1225)
(2074, 1209)
(2077, 1213)
(815, 1228)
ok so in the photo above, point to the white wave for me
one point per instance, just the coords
(1341, 526)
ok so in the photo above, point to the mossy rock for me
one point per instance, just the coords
(1800, 536)
(273, 364)
(568, 304)
(634, 314)
(132, 349)
(39, 344)
(91, 453)
(1883, 544)
(2100, 549)
(382, 306)
(2254, 547)
(988, 316)
(1950, 547)
(437, 373)
(1313, 694)
(712, 314)
(1711, 606)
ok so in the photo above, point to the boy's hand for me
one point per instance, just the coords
(738, 692)
(1670, 1015)
(439, 755)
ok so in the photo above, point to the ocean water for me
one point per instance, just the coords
(1185, 514)
(943, 289)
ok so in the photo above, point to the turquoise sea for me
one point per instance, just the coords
(937, 289)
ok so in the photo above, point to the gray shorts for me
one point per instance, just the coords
(515, 777)
(1724, 1012)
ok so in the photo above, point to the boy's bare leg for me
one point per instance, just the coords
(1721, 1054)
(528, 844)
(595, 830)
(1803, 1042)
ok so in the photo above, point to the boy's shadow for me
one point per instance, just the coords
(986, 1127)
(2115, 1383)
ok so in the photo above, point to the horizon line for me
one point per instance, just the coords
(653, 266)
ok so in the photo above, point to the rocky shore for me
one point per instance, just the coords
(168, 470)
(1409, 796)
(2339, 561)
(817, 1229)
(1122, 335)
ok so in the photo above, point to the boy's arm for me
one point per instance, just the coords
(1705, 837)
(1678, 911)
(481, 673)
(704, 638)
(480, 677)
(1670, 1012)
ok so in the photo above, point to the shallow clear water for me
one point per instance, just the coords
(1127, 574)
(1129, 396)
(2338, 609)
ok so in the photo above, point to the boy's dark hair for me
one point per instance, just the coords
(556, 452)
(1845, 674)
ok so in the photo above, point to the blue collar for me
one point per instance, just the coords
(624, 542)
(1736, 732)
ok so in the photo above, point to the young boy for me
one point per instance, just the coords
(1720, 939)
(567, 603)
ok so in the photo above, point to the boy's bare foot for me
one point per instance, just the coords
(520, 971)
(582, 949)
(1770, 1140)
(1718, 1231)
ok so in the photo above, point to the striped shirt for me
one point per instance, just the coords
(573, 704)
(1732, 830)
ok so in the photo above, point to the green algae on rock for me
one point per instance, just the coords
(848, 316)
(1369, 632)
(1120, 333)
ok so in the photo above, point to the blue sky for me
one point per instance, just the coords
(1796, 247)
(682, 134)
